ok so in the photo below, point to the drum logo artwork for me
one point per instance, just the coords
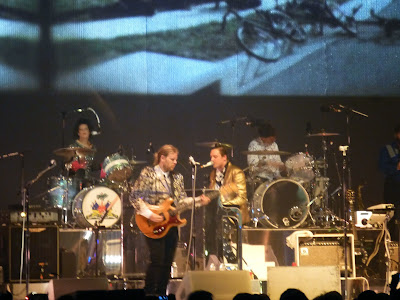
(92, 203)
(100, 206)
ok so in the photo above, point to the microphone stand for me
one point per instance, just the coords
(346, 150)
(193, 215)
(25, 204)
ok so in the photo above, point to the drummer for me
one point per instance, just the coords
(266, 167)
(82, 165)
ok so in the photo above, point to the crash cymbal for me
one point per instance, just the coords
(137, 162)
(266, 152)
(322, 134)
(213, 144)
(69, 153)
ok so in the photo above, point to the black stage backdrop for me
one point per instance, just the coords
(32, 123)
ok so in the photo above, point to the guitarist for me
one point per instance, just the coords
(154, 185)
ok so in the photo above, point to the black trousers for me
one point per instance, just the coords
(162, 253)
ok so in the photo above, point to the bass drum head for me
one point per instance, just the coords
(284, 203)
(91, 203)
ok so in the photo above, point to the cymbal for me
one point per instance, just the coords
(266, 152)
(322, 134)
(137, 162)
(213, 144)
(69, 153)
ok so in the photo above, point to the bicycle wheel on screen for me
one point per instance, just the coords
(259, 43)
(347, 23)
(284, 24)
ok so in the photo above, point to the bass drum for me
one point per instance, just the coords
(283, 203)
(91, 203)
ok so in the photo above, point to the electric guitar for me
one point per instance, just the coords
(171, 216)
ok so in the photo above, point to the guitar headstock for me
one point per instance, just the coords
(350, 196)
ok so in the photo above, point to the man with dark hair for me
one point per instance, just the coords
(389, 164)
(267, 167)
(230, 180)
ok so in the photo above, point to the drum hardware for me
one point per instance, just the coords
(322, 134)
(69, 153)
(134, 162)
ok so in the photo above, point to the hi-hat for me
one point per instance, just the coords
(266, 152)
(322, 134)
(137, 162)
(213, 144)
(69, 153)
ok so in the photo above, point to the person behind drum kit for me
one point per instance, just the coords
(82, 165)
(389, 164)
(154, 185)
(266, 167)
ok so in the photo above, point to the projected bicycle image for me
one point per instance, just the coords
(181, 47)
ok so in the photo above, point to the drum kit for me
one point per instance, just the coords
(300, 199)
(95, 202)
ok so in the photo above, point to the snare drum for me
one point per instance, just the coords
(300, 167)
(91, 203)
(117, 167)
(284, 203)
(58, 186)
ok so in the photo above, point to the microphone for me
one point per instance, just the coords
(192, 161)
(53, 163)
(94, 132)
(210, 163)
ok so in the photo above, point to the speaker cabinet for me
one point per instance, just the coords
(44, 254)
(224, 285)
(61, 287)
(326, 250)
(311, 280)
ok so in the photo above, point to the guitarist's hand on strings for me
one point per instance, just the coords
(204, 199)
(156, 218)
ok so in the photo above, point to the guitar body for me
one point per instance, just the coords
(159, 230)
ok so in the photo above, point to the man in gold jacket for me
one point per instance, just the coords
(230, 180)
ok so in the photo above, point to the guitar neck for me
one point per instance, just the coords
(187, 203)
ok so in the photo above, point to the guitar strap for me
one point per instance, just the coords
(172, 180)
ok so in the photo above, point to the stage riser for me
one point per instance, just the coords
(76, 251)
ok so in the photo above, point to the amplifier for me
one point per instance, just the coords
(37, 216)
(44, 253)
(325, 250)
